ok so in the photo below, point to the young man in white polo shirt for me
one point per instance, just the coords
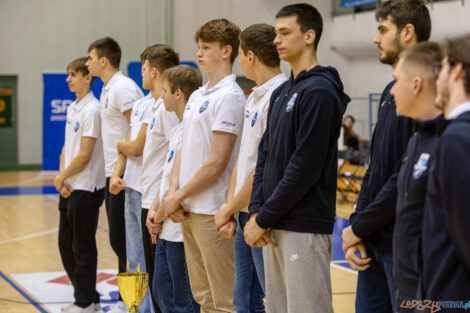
(81, 185)
(117, 98)
(260, 62)
(130, 163)
(171, 274)
(213, 121)
(159, 123)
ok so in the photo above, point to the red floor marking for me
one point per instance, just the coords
(64, 280)
(112, 282)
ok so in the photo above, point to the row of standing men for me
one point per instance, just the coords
(241, 193)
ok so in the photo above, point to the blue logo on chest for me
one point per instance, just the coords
(142, 116)
(152, 124)
(253, 121)
(204, 106)
(76, 126)
(290, 104)
(421, 166)
(172, 152)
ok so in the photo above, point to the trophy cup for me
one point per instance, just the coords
(133, 287)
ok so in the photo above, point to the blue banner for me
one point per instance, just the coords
(134, 70)
(355, 3)
(57, 98)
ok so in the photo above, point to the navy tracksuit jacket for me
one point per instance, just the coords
(294, 186)
(412, 183)
(446, 225)
(373, 219)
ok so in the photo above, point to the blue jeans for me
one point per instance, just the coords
(248, 291)
(171, 288)
(134, 246)
(376, 288)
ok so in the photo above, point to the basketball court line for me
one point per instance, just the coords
(23, 293)
(53, 230)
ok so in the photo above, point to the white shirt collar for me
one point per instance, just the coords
(260, 91)
(156, 103)
(464, 107)
(111, 81)
(77, 106)
(227, 80)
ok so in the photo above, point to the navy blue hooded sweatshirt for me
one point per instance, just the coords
(294, 186)
(412, 183)
(373, 219)
(446, 225)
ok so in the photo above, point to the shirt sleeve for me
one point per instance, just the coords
(257, 197)
(125, 97)
(380, 211)
(316, 120)
(91, 124)
(228, 114)
(148, 113)
(453, 170)
(169, 121)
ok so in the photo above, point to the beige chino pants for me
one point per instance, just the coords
(211, 266)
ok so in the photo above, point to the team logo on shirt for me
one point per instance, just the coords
(106, 103)
(142, 116)
(172, 152)
(152, 124)
(76, 126)
(188, 107)
(204, 106)
(421, 166)
(247, 114)
(253, 121)
(290, 104)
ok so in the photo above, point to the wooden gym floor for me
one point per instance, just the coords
(31, 273)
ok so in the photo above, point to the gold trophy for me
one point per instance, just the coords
(133, 287)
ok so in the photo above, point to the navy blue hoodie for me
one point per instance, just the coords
(373, 219)
(294, 186)
(446, 225)
(412, 182)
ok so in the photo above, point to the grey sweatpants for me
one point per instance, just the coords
(297, 273)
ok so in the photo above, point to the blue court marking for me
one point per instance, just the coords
(17, 288)
(338, 254)
(28, 191)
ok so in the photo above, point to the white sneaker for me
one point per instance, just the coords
(66, 307)
(119, 307)
(76, 309)
(96, 307)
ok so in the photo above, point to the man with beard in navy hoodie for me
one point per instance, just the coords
(294, 188)
(402, 24)
(446, 231)
(414, 92)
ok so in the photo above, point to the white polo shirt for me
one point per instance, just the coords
(171, 231)
(83, 120)
(217, 109)
(117, 96)
(160, 124)
(140, 112)
(256, 117)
